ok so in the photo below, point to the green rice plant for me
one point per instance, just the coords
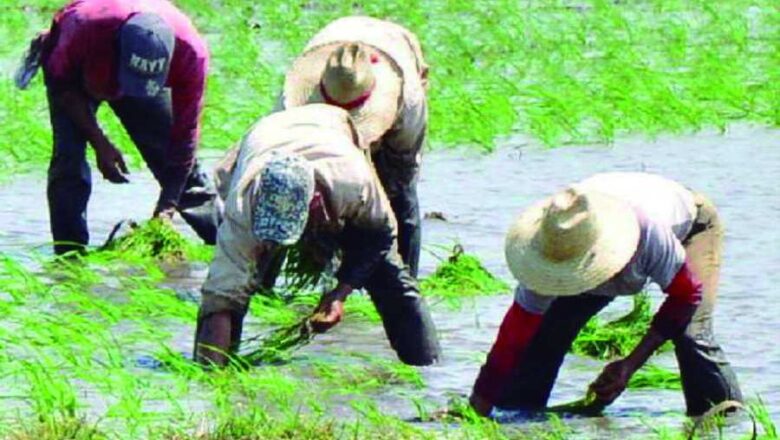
(154, 238)
(617, 338)
(760, 411)
(460, 276)
(372, 373)
(56, 428)
(654, 377)
(277, 346)
(555, 73)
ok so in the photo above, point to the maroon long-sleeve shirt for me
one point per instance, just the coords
(83, 53)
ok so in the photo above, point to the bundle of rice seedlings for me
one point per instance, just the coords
(461, 275)
(154, 238)
(278, 345)
(616, 338)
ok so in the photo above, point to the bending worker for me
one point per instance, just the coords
(375, 70)
(149, 63)
(573, 253)
(301, 174)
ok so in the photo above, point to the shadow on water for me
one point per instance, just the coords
(479, 196)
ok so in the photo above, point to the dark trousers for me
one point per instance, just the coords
(707, 377)
(405, 314)
(399, 173)
(394, 292)
(148, 122)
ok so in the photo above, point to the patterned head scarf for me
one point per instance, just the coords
(282, 208)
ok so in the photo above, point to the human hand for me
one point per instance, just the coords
(164, 213)
(110, 162)
(612, 381)
(329, 312)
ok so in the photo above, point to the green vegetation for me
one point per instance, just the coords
(90, 347)
(554, 71)
(154, 239)
(614, 339)
(654, 377)
(461, 276)
(75, 345)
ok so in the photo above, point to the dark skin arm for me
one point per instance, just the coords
(76, 105)
(614, 378)
(213, 340)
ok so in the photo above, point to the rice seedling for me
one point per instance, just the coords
(760, 411)
(57, 428)
(589, 405)
(72, 332)
(277, 345)
(371, 373)
(460, 276)
(152, 239)
(616, 338)
(654, 377)
(555, 73)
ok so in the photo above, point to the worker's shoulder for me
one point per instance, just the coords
(83, 15)
(315, 123)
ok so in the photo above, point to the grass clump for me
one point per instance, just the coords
(557, 73)
(654, 377)
(277, 345)
(371, 373)
(617, 338)
(155, 238)
(461, 275)
(57, 428)
(760, 412)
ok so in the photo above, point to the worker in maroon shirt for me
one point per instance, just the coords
(573, 253)
(149, 63)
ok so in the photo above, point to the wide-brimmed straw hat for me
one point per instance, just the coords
(355, 76)
(571, 242)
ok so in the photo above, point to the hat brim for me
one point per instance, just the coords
(372, 119)
(615, 245)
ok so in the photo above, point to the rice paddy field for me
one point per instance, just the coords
(525, 96)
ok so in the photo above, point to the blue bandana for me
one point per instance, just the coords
(286, 187)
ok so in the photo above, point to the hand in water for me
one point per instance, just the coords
(612, 381)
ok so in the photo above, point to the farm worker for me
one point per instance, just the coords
(574, 252)
(148, 62)
(304, 174)
(375, 70)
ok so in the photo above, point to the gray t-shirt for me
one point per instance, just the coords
(665, 211)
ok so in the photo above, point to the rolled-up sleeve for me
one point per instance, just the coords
(532, 301)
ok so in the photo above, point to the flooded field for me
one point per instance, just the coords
(477, 196)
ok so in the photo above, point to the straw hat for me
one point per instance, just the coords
(354, 76)
(571, 242)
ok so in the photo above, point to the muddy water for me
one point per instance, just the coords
(479, 195)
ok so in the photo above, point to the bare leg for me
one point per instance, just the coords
(213, 339)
